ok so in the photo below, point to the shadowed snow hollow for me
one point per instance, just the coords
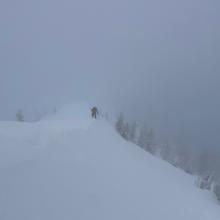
(70, 166)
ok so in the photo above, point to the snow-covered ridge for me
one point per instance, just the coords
(19, 140)
(69, 166)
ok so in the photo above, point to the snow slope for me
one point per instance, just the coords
(69, 166)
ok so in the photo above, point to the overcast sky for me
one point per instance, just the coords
(159, 61)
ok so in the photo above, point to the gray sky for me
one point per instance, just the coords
(157, 60)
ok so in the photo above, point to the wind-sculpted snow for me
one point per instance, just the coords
(73, 167)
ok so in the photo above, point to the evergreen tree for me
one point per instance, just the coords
(19, 115)
(150, 146)
(204, 161)
(142, 139)
(126, 131)
(166, 152)
(120, 124)
(146, 139)
(133, 132)
(184, 155)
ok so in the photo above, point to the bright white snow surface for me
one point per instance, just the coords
(69, 166)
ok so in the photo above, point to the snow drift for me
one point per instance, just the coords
(69, 166)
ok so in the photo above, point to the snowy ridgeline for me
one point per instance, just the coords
(203, 164)
(69, 166)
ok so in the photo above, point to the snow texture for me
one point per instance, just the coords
(69, 166)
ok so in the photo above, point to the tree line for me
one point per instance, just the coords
(144, 137)
(202, 162)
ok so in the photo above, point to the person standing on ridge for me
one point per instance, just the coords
(94, 112)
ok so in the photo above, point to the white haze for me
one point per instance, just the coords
(156, 60)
